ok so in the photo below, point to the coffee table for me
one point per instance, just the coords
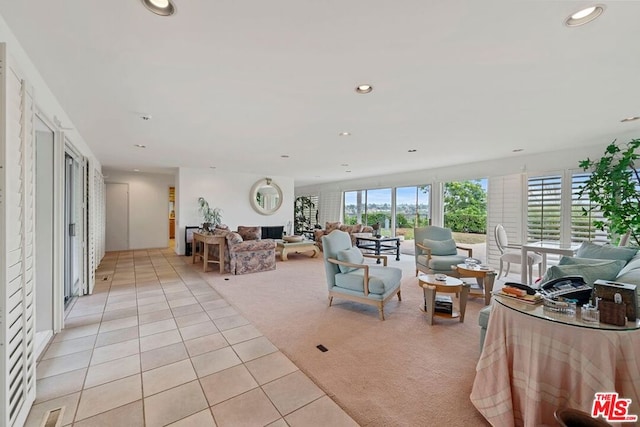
(485, 278)
(450, 285)
(379, 245)
(284, 248)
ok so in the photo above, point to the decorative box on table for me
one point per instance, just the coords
(606, 290)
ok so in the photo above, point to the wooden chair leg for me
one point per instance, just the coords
(330, 300)
(399, 296)
(381, 311)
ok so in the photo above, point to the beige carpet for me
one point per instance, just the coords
(400, 372)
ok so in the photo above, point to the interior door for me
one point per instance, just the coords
(117, 217)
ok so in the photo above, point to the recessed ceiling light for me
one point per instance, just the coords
(212, 167)
(140, 146)
(584, 16)
(413, 150)
(344, 164)
(136, 170)
(344, 133)
(517, 150)
(285, 156)
(630, 119)
(160, 7)
(364, 88)
(348, 171)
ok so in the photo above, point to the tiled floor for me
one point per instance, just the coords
(156, 345)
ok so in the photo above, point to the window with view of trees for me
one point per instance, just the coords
(544, 208)
(546, 213)
(582, 226)
(413, 209)
(465, 206)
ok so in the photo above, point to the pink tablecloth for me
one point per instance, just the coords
(531, 366)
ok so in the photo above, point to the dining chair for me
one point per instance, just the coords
(512, 254)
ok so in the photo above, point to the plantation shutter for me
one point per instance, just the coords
(504, 206)
(544, 208)
(330, 205)
(17, 236)
(582, 229)
(95, 221)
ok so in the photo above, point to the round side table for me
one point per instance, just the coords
(450, 285)
(484, 277)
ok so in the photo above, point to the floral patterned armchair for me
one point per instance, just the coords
(246, 252)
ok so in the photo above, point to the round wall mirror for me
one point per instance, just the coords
(266, 196)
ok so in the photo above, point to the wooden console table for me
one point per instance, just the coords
(200, 250)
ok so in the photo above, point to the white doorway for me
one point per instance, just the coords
(74, 220)
(117, 217)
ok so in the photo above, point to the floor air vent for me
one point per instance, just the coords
(322, 348)
(53, 418)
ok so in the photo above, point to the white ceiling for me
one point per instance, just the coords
(237, 84)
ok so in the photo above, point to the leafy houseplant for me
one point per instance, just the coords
(614, 189)
(301, 222)
(212, 217)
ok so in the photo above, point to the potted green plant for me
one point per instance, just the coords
(211, 216)
(301, 222)
(614, 189)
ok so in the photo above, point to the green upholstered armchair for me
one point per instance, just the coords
(350, 278)
(436, 251)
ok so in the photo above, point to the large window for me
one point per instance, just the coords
(582, 216)
(465, 210)
(548, 209)
(354, 203)
(379, 209)
(413, 209)
(544, 208)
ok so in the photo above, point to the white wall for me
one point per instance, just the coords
(148, 207)
(229, 192)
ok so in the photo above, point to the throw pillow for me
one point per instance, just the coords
(330, 226)
(592, 250)
(566, 260)
(357, 228)
(233, 237)
(441, 247)
(250, 233)
(352, 255)
(607, 270)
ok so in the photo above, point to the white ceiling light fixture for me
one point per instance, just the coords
(160, 7)
(140, 146)
(364, 88)
(345, 134)
(584, 16)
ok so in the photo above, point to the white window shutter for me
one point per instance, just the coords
(504, 206)
(330, 207)
(17, 237)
